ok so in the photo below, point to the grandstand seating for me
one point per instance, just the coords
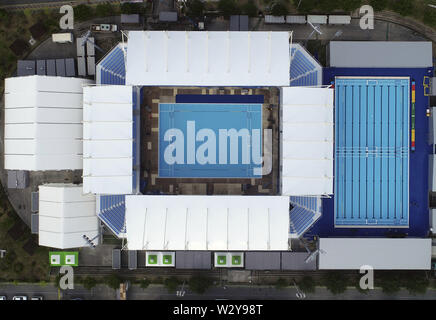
(305, 211)
(305, 70)
(111, 69)
(112, 212)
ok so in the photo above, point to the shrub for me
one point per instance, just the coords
(281, 283)
(307, 284)
(199, 284)
(249, 8)
(83, 12)
(307, 6)
(194, 8)
(171, 284)
(18, 267)
(403, 7)
(336, 282)
(389, 282)
(89, 283)
(104, 10)
(228, 7)
(416, 283)
(279, 9)
(378, 5)
(144, 283)
(113, 281)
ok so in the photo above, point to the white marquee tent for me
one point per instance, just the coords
(307, 141)
(65, 215)
(43, 123)
(107, 139)
(208, 58)
(207, 222)
(380, 253)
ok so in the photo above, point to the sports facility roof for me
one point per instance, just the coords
(380, 54)
(65, 215)
(43, 123)
(307, 141)
(207, 222)
(379, 253)
(305, 70)
(209, 58)
(107, 139)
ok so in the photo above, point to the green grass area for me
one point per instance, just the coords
(18, 265)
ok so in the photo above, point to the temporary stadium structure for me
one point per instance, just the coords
(108, 139)
(65, 216)
(43, 123)
(377, 253)
(305, 70)
(162, 58)
(207, 222)
(306, 141)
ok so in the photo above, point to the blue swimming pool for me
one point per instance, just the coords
(372, 152)
(204, 140)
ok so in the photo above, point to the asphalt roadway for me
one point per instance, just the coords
(158, 292)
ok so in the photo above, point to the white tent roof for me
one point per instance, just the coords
(381, 254)
(307, 141)
(43, 123)
(107, 139)
(208, 58)
(65, 215)
(207, 222)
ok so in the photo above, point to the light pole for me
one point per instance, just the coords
(181, 292)
(300, 294)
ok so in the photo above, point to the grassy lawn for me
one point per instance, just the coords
(23, 267)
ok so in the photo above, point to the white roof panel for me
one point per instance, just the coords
(108, 139)
(208, 58)
(207, 222)
(43, 123)
(65, 215)
(307, 141)
(381, 254)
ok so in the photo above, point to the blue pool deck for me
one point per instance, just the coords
(418, 186)
(372, 151)
(213, 116)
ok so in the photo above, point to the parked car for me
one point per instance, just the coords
(37, 298)
(104, 27)
(19, 298)
(3, 298)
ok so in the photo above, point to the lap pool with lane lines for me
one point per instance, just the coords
(372, 152)
(212, 116)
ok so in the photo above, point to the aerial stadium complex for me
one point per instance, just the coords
(235, 149)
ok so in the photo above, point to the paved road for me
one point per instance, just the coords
(158, 292)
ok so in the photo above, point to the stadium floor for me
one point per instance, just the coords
(418, 181)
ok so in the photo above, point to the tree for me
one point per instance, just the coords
(327, 6)
(403, 7)
(430, 17)
(378, 5)
(307, 284)
(199, 284)
(350, 5)
(249, 8)
(228, 7)
(307, 6)
(281, 284)
(132, 8)
(104, 10)
(416, 283)
(336, 282)
(171, 284)
(144, 283)
(279, 9)
(113, 281)
(89, 283)
(194, 8)
(390, 282)
(83, 12)
(18, 267)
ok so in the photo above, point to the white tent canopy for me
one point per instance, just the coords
(381, 254)
(208, 58)
(43, 123)
(107, 139)
(207, 222)
(65, 215)
(307, 141)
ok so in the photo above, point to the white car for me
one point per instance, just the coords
(19, 298)
(3, 298)
(37, 298)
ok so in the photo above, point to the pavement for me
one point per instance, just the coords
(159, 292)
